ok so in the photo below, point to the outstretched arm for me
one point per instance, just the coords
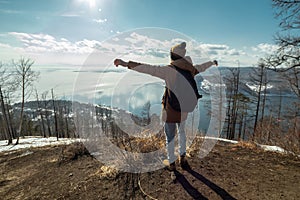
(156, 71)
(204, 66)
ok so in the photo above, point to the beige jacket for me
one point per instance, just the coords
(168, 74)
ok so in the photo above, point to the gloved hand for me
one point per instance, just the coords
(215, 62)
(118, 62)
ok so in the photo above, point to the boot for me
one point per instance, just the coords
(184, 163)
(169, 167)
(172, 167)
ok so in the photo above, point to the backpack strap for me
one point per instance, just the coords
(165, 97)
(167, 92)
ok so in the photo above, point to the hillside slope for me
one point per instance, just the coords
(230, 171)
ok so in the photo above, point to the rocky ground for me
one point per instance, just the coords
(230, 171)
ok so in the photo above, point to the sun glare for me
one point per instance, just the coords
(90, 3)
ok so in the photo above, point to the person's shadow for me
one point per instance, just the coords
(193, 192)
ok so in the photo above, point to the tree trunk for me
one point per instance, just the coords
(264, 96)
(279, 106)
(245, 122)
(258, 100)
(47, 117)
(66, 121)
(9, 134)
(22, 111)
(41, 115)
(11, 122)
(55, 116)
(229, 117)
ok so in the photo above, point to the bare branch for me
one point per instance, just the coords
(289, 12)
(25, 77)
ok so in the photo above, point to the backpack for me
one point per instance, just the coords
(183, 95)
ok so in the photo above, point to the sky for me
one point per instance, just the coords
(60, 35)
(42, 29)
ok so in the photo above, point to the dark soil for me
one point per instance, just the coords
(228, 172)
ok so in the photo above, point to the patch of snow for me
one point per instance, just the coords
(29, 142)
(272, 148)
(220, 139)
(255, 87)
(207, 86)
(276, 149)
(264, 147)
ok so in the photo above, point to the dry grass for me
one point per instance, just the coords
(270, 132)
(72, 152)
(246, 144)
(140, 144)
(106, 172)
(194, 148)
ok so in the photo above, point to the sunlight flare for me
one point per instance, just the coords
(90, 3)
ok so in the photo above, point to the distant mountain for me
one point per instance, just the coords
(277, 84)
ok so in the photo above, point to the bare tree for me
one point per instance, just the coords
(60, 119)
(293, 78)
(233, 82)
(4, 83)
(289, 13)
(234, 111)
(287, 57)
(55, 114)
(241, 114)
(39, 110)
(6, 119)
(67, 112)
(46, 111)
(25, 78)
(8, 95)
(288, 54)
(259, 79)
(230, 89)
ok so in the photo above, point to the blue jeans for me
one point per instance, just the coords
(170, 129)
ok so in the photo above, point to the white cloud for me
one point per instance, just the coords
(5, 45)
(225, 54)
(133, 46)
(214, 47)
(41, 43)
(220, 49)
(137, 39)
(265, 48)
(46, 49)
(64, 39)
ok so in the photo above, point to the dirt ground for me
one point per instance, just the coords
(228, 172)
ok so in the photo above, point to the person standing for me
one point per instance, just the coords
(173, 119)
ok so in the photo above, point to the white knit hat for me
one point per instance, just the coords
(179, 49)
